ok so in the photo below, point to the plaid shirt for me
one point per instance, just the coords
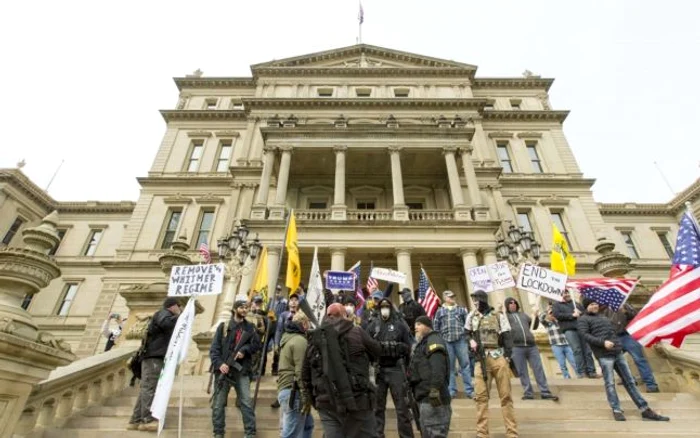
(556, 337)
(449, 322)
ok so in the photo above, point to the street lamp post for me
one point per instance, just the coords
(519, 247)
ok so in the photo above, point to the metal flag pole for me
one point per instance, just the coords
(54, 176)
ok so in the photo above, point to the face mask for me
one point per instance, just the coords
(385, 312)
(483, 306)
(349, 310)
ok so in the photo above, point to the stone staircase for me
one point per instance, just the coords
(581, 412)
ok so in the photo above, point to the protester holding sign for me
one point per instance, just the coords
(449, 322)
(568, 313)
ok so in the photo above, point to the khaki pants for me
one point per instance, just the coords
(497, 369)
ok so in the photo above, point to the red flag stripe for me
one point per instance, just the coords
(672, 282)
(678, 309)
(687, 323)
(670, 291)
(648, 318)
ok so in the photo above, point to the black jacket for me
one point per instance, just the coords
(429, 368)
(622, 318)
(223, 344)
(392, 329)
(160, 330)
(520, 326)
(564, 312)
(596, 329)
(411, 310)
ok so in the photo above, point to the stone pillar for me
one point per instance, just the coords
(338, 259)
(273, 268)
(225, 304)
(339, 209)
(260, 207)
(27, 356)
(400, 210)
(403, 262)
(468, 256)
(481, 211)
(496, 298)
(461, 212)
(277, 211)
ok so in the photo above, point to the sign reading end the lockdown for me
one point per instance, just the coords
(541, 281)
(196, 280)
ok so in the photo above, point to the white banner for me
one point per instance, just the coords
(480, 278)
(541, 281)
(177, 352)
(388, 275)
(493, 277)
(314, 294)
(196, 280)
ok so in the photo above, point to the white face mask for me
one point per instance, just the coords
(349, 310)
(385, 312)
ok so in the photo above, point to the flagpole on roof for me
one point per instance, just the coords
(360, 19)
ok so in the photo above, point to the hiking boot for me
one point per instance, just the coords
(528, 397)
(550, 397)
(594, 376)
(619, 416)
(133, 426)
(650, 415)
(151, 426)
(653, 390)
(275, 404)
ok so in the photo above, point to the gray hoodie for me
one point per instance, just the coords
(520, 325)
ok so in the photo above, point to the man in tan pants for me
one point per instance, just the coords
(489, 338)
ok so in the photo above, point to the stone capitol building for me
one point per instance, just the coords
(390, 158)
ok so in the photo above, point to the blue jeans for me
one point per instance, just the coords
(618, 364)
(564, 353)
(530, 355)
(242, 386)
(294, 425)
(582, 353)
(458, 350)
(635, 349)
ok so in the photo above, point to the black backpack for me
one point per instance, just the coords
(333, 381)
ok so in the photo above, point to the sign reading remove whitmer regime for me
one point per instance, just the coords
(541, 281)
(489, 278)
(196, 280)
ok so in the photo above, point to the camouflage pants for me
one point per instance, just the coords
(434, 421)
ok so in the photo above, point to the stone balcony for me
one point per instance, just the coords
(370, 216)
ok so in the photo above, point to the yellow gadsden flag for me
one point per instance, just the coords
(293, 264)
(561, 259)
(260, 286)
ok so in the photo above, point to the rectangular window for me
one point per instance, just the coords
(93, 241)
(171, 228)
(631, 249)
(365, 205)
(415, 205)
(524, 221)
(363, 92)
(559, 222)
(504, 157)
(13, 230)
(61, 234)
(401, 92)
(68, 296)
(224, 156)
(317, 205)
(27, 301)
(204, 228)
(663, 237)
(325, 92)
(210, 104)
(534, 158)
(195, 156)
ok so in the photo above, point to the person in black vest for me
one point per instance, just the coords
(231, 354)
(158, 335)
(395, 338)
(429, 378)
(567, 313)
(410, 309)
(336, 376)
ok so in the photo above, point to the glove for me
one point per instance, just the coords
(271, 316)
(434, 396)
(305, 403)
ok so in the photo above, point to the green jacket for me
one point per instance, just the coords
(292, 353)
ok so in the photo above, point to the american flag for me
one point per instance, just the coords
(372, 283)
(361, 15)
(426, 294)
(612, 292)
(205, 253)
(358, 290)
(673, 312)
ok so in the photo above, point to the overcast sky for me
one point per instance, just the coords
(83, 81)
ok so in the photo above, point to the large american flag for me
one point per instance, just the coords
(673, 312)
(205, 253)
(612, 292)
(358, 289)
(426, 294)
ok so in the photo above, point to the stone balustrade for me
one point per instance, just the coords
(72, 388)
(431, 215)
(683, 374)
(376, 215)
(370, 215)
(313, 215)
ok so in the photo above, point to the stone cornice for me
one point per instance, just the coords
(95, 207)
(538, 83)
(214, 82)
(673, 207)
(460, 135)
(19, 180)
(358, 103)
(543, 180)
(528, 116)
(402, 72)
(175, 115)
(184, 179)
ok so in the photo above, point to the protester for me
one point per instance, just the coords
(295, 416)
(449, 322)
(393, 334)
(599, 333)
(489, 336)
(428, 374)
(525, 351)
(280, 305)
(284, 317)
(371, 310)
(567, 313)
(336, 374)
(258, 318)
(410, 309)
(231, 354)
(158, 335)
(112, 334)
(560, 347)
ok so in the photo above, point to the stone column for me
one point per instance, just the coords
(277, 211)
(273, 268)
(461, 212)
(225, 304)
(468, 256)
(403, 262)
(481, 212)
(339, 209)
(338, 259)
(260, 206)
(496, 298)
(400, 210)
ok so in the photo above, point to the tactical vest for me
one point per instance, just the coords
(489, 328)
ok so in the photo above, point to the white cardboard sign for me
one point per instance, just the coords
(493, 277)
(388, 275)
(481, 279)
(542, 281)
(196, 280)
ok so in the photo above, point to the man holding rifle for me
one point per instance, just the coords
(231, 354)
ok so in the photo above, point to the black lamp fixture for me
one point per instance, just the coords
(518, 243)
(237, 245)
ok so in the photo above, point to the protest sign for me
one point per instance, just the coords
(480, 278)
(341, 280)
(388, 275)
(196, 280)
(541, 281)
(501, 276)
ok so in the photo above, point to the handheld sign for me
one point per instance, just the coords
(541, 281)
(388, 275)
(196, 280)
(480, 278)
(341, 280)
(501, 276)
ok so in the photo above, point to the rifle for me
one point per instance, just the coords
(481, 355)
(231, 359)
(409, 397)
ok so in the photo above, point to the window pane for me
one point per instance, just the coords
(532, 151)
(27, 301)
(667, 245)
(207, 219)
(12, 231)
(503, 152)
(194, 158)
(68, 296)
(415, 205)
(627, 237)
(204, 228)
(174, 220)
(197, 151)
(559, 222)
(524, 221)
(169, 236)
(94, 240)
(61, 234)
(225, 152)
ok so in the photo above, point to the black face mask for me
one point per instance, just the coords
(482, 306)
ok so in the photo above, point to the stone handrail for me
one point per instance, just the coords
(313, 215)
(431, 215)
(72, 388)
(685, 368)
(369, 215)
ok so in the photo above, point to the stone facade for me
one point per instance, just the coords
(395, 159)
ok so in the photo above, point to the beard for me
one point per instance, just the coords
(419, 337)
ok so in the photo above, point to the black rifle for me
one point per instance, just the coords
(231, 359)
(409, 397)
(481, 354)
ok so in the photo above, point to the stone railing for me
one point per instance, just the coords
(369, 215)
(684, 373)
(313, 215)
(72, 388)
(431, 215)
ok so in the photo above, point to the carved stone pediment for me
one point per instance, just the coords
(522, 200)
(227, 134)
(199, 134)
(554, 200)
(500, 134)
(529, 134)
(209, 199)
(177, 199)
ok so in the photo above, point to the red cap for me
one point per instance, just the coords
(336, 309)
